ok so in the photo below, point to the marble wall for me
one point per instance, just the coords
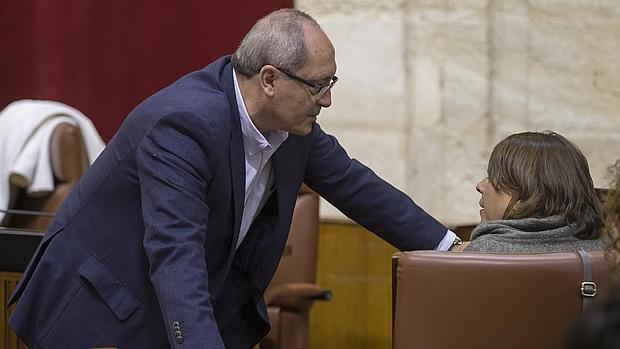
(428, 87)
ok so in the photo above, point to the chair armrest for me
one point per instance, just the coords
(297, 297)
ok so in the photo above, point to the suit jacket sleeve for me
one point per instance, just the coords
(366, 198)
(174, 172)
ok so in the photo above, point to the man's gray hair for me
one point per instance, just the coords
(276, 39)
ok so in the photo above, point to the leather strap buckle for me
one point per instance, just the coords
(588, 289)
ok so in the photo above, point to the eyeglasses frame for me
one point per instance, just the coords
(321, 90)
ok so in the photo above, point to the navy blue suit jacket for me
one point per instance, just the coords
(142, 253)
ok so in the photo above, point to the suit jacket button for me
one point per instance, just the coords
(179, 340)
(177, 333)
(175, 324)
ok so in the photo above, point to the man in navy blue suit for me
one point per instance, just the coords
(171, 237)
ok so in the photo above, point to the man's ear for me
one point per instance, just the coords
(267, 77)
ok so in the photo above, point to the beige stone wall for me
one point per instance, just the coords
(428, 87)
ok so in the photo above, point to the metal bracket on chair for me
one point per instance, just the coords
(588, 286)
(588, 289)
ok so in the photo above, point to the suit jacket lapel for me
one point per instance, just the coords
(286, 182)
(237, 154)
(237, 174)
(272, 223)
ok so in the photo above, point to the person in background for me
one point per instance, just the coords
(538, 197)
(612, 213)
(599, 326)
(170, 239)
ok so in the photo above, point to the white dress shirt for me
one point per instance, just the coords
(258, 174)
(446, 242)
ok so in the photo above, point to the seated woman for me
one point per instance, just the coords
(538, 197)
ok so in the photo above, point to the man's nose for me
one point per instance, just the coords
(326, 100)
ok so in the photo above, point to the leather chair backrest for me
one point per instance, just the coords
(67, 153)
(298, 264)
(69, 162)
(484, 300)
(292, 291)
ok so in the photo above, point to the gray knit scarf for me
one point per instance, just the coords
(550, 234)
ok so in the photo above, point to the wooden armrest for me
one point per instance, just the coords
(296, 296)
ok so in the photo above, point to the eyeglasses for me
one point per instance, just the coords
(318, 90)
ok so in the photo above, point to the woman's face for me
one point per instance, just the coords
(493, 202)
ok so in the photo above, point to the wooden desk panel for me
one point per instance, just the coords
(356, 265)
(8, 282)
(16, 248)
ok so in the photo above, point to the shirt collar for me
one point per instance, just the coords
(254, 140)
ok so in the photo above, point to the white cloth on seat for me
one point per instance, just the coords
(26, 127)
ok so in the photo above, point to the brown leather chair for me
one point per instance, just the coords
(69, 162)
(292, 291)
(483, 300)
